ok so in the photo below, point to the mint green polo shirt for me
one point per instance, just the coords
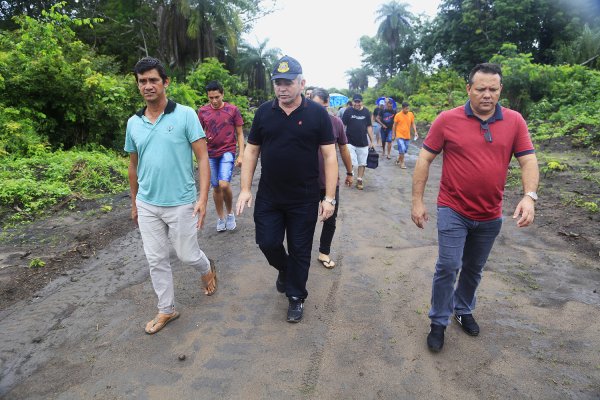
(165, 168)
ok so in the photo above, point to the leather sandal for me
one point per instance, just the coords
(210, 280)
(160, 321)
(329, 264)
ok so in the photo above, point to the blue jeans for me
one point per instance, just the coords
(221, 168)
(464, 246)
(297, 223)
(403, 145)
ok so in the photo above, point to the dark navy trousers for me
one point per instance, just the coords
(295, 222)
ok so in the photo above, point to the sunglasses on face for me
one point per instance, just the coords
(487, 133)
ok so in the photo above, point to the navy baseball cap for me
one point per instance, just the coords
(357, 97)
(286, 68)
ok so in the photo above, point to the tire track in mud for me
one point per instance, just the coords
(311, 375)
(31, 330)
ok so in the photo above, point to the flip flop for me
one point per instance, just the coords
(329, 264)
(210, 278)
(160, 321)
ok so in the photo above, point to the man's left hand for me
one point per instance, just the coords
(526, 209)
(326, 210)
(349, 180)
(238, 161)
(200, 211)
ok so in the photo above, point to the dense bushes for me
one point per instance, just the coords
(31, 185)
(64, 89)
(556, 100)
(58, 97)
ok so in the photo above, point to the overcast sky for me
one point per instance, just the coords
(323, 35)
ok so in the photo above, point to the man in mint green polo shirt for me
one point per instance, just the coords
(160, 140)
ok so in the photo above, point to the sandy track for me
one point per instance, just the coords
(365, 323)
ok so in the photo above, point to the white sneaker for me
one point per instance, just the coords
(230, 222)
(221, 225)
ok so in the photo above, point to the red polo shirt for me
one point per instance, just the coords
(474, 170)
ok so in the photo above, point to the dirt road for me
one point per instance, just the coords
(363, 335)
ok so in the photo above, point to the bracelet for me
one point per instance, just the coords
(350, 173)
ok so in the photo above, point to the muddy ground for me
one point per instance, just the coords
(74, 328)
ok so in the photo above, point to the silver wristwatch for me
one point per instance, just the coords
(533, 195)
(330, 201)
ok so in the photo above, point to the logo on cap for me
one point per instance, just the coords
(283, 67)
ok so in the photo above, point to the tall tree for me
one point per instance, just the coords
(254, 65)
(584, 50)
(394, 31)
(192, 30)
(466, 32)
(358, 79)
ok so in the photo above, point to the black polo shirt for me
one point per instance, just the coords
(289, 147)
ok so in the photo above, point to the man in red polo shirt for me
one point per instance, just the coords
(478, 141)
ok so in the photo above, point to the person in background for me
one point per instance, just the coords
(386, 119)
(308, 92)
(340, 113)
(359, 132)
(376, 125)
(160, 140)
(321, 96)
(287, 134)
(222, 123)
(403, 121)
(478, 141)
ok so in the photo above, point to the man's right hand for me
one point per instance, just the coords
(134, 214)
(419, 214)
(245, 198)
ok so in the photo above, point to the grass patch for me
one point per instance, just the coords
(32, 185)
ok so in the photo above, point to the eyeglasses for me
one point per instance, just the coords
(487, 133)
(357, 101)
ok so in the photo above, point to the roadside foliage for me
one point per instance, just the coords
(66, 87)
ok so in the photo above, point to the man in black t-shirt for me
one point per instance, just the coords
(287, 133)
(358, 126)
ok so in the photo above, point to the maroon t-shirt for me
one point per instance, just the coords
(219, 127)
(474, 170)
(340, 138)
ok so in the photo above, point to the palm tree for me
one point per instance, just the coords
(254, 64)
(358, 79)
(394, 21)
(192, 30)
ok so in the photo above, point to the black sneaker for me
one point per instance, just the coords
(280, 283)
(295, 309)
(468, 324)
(435, 339)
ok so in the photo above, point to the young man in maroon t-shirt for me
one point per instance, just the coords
(222, 123)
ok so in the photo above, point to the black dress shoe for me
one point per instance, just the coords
(468, 324)
(435, 339)
(280, 282)
(295, 309)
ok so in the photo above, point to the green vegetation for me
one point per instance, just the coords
(37, 263)
(66, 88)
(33, 184)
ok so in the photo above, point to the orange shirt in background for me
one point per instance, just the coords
(403, 123)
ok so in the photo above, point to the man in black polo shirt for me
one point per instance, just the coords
(287, 133)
